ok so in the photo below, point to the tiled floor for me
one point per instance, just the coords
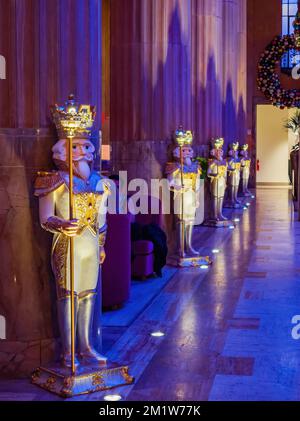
(227, 330)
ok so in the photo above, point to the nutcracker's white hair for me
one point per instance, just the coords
(60, 150)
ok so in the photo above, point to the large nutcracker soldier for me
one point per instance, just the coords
(72, 206)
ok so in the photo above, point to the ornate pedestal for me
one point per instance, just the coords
(233, 206)
(88, 379)
(218, 224)
(185, 262)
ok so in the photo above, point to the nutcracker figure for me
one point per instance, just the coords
(245, 170)
(184, 181)
(72, 207)
(234, 176)
(217, 174)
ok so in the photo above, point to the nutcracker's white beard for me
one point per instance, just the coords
(82, 168)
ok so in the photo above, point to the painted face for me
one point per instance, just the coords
(83, 149)
(233, 153)
(218, 153)
(187, 152)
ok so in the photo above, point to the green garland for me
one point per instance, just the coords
(204, 166)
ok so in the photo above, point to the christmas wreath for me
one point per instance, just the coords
(268, 80)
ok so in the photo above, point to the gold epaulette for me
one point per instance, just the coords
(46, 182)
(171, 167)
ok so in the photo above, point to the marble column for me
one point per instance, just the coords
(174, 62)
(150, 81)
(207, 54)
(52, 48)
(242, 72)
(234, 70)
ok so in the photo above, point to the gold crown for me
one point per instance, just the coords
(183, 137)
(217, 143)
(244, 147)
(73, 119)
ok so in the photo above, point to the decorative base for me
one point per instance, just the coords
(87, 379)
(186, 262)
(218, 224)
(234, 206)
(245, 195)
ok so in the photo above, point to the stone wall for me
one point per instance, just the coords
(52, 48)
(174, 63)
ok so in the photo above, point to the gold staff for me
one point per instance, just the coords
(71, 240)
(182, 204)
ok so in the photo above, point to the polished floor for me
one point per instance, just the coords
(228, 329)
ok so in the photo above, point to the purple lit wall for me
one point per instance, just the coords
(52, 48)
(175, 62)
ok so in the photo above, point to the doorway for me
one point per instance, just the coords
(274, 144)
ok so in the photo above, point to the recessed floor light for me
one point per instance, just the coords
(215, 251)
(232, 227)
(204, 267)
(236, 220)
(158, 334)
(112, 398)
(248, 204)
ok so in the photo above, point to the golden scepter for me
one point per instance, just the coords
(73, 119)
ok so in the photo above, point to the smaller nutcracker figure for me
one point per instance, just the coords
(217, 174)
(245, 169)
(184, 181)
(234, 176)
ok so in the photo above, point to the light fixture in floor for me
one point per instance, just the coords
(236, 220)
(204, 267)
(248, 204)
(252, 197)
(112, 398)
(215, 251)
(158, 334)
(231, 227)
(245, 208)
